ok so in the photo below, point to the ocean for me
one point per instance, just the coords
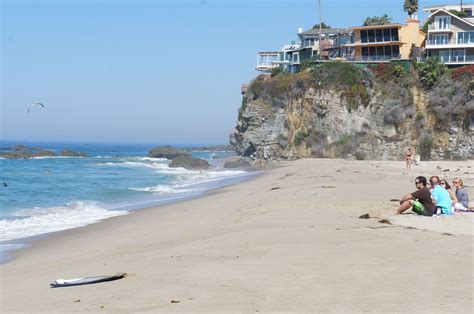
(49, 194)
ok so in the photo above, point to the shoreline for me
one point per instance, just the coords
(289, 239)
(8, 254)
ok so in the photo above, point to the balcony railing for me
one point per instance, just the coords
(451, 41)
(436, 27)
(452, 59)
(373, 58)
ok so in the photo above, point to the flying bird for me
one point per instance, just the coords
(34, 105)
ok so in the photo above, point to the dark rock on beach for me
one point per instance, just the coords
(189, 163)
(167, 152)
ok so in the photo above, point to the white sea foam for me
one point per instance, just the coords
(52, 157)
(189, 178)
(160, 189)
(44, 220)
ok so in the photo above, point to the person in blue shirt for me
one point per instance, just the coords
(441, 197)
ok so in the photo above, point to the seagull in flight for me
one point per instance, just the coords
(34, 105)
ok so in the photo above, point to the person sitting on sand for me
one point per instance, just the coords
(419, 201)
(452, 194)
(441, 197)
(461, 195)
(408, 158)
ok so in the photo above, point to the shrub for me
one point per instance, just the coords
(345, 77)
(398, 70)
(449, 99)
(430, 71)
(427, 24)
(420, 120)
(464, 72)
(276, 71)
(300, 137)
(344, 139)
(461, 14)
(394, 115)
(338, 74)
(382, 71)
(360, 155)
(398, 105)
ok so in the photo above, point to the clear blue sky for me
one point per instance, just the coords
(156, 71)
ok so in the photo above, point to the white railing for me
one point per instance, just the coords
(451, 59)
(452, 41)
(435, 27)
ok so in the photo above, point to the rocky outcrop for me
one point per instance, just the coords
(222, 148)
(188, 162)
(72, 153)
(167, 152)
(24, 152)
(21, 154)
(326, 122)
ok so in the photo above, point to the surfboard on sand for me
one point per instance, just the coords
(85, 280)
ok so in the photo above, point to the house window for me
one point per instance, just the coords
(380, 52)
(395, 52)
(444, 55)
(379, 35)
(295, 58)
(394, 34)
(439, 39)
(457, 55)
(365, 51)
(465, 37)
(386, 34)
(371, 33)
(442, 22)
(364, 36)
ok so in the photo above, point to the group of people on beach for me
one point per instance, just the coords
(435, 197)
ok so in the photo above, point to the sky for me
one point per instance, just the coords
(147, 71)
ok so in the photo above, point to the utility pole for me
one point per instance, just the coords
(461, 5)
(320, 22)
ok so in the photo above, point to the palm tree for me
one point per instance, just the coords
(410, 6)
(378, 20)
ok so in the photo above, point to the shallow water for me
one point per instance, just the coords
(50, 194)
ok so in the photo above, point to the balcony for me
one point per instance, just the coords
(435, 27)
(449, 43)
(383, 58)
(465, 59)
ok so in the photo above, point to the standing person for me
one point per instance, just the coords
(419, 201)
(441, 197)
(461, 194)
(408, 158)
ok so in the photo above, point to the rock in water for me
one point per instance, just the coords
(26, 154)
(72, 153)
(167, 152)
(189, 163)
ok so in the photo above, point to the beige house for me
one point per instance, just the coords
(387, 42)
(450, 37)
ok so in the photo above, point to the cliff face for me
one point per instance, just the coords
(371, 121)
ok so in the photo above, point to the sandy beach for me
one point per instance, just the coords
(288, 240)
